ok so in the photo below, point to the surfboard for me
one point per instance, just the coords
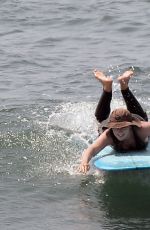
(110, 160)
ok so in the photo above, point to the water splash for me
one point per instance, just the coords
(46, 141)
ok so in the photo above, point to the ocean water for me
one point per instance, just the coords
(48, 96)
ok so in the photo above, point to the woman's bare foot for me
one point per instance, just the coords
(124, 79)
(106, 81)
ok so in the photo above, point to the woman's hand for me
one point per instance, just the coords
(84, 168)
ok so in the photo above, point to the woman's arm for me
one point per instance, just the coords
(101, 142)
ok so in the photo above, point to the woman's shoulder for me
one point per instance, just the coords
(108, 135)
(144, 130)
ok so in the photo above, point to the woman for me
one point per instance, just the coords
(127, 129)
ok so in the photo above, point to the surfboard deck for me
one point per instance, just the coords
(110, 160)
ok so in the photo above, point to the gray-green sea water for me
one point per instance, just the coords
(48, 97)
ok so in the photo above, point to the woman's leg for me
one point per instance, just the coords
(131, 102)
(103, 107)
(133, 105)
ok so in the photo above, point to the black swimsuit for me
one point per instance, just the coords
(103, 108)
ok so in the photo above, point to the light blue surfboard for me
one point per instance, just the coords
(110, 160)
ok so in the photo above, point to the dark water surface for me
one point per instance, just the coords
(48, 96)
